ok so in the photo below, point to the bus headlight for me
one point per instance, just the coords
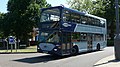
(55, 49)
(38, 48)
(59, 47)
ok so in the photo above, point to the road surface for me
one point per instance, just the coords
(44, 60)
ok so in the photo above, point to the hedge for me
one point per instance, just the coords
(110, 42)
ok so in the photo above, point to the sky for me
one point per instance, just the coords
(3, 4)
(57, 2)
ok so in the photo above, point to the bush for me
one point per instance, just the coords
(110, 42)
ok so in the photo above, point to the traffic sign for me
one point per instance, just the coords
(11, 40)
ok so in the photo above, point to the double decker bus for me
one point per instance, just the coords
(64, 31)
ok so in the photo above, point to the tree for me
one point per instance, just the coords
(43, 3)
(22, 16)
(81, 5)
(1, 23)
(110, 16)
(99, 8)
(5, 25)
(89, 6)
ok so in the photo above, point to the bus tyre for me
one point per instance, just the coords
(98, 47)
(74, 50)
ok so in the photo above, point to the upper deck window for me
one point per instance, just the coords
(69, 16)
(50, 15)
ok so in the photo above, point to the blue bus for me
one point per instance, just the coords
(64, 31)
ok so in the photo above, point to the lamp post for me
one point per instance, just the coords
(117, 36)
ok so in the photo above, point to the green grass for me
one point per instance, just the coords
(28, 49)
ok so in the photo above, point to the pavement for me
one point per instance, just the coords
(108, 62)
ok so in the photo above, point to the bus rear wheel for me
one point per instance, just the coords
(74, 50)
(98, 46)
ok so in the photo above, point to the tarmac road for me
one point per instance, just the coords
(87, 59)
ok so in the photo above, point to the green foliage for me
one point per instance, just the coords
(81, 5)
(99, 8)
(110, 42)
(89, 6)
(1, 24)
(43, 3)
(22, 16)
(6, 25)
(110, 16)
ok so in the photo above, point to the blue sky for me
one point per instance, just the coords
(57, 2)
(3, 4)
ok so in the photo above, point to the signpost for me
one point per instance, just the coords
(12, 40)
(18, 41)
(7, 43)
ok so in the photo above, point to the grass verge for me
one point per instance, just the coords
(28, 49)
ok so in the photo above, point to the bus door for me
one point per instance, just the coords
(66, 43)
(89, 41)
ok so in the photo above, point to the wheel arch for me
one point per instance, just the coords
(76, 46)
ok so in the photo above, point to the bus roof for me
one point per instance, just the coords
(75, 11)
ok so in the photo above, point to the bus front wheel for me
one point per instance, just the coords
(74, 50)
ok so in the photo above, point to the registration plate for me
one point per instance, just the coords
(45, 51)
